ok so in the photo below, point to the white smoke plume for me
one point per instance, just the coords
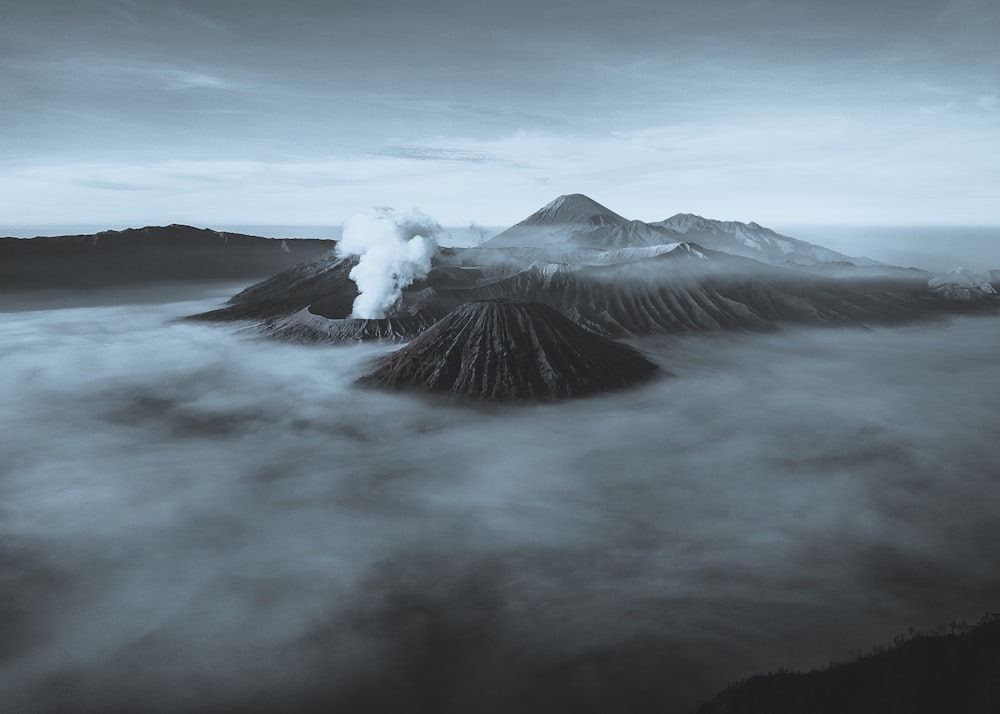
(395, 249)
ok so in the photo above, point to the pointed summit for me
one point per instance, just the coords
(570, 221)
(573, 209)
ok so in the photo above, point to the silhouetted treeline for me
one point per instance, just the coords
(954, 670)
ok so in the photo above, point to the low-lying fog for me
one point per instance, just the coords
(193, 519)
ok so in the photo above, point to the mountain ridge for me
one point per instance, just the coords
(174, 252)
(578, 221)
(753, 240)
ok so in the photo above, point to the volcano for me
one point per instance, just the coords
(620, 278)
(507, 350)
(578, 221)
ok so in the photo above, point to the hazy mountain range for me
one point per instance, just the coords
(578, 221)
(616, 277)
(610, 274)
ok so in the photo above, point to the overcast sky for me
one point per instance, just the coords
(307, 111)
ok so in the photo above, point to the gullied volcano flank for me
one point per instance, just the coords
(507, 350)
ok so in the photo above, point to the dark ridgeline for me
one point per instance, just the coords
(957, 672)
(508, 350)
(151, 254)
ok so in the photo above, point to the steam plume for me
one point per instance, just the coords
(395, 249)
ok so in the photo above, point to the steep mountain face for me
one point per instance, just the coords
(573, 209)
(508, 350)
(155, 253)
(323, 282)
(751, 240)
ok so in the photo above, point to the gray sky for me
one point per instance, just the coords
(225, 111)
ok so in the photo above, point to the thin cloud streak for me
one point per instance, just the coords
(96, 72)
(433, 153)
(797, 169)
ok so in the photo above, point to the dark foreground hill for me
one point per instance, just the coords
(139, 255)
(957, 672)
(507, 350)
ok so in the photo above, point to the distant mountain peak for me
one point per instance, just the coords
(573, 217)
(691, 222)
(686, 216)
(573, 208)
(752, 240)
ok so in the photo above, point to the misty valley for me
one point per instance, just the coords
(592, 464)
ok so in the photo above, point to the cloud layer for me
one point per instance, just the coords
(196, 520)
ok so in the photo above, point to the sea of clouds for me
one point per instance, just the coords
(194, 519)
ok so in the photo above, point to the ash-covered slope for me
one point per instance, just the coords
(509, 350)
(138, 255)
(323, 281)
